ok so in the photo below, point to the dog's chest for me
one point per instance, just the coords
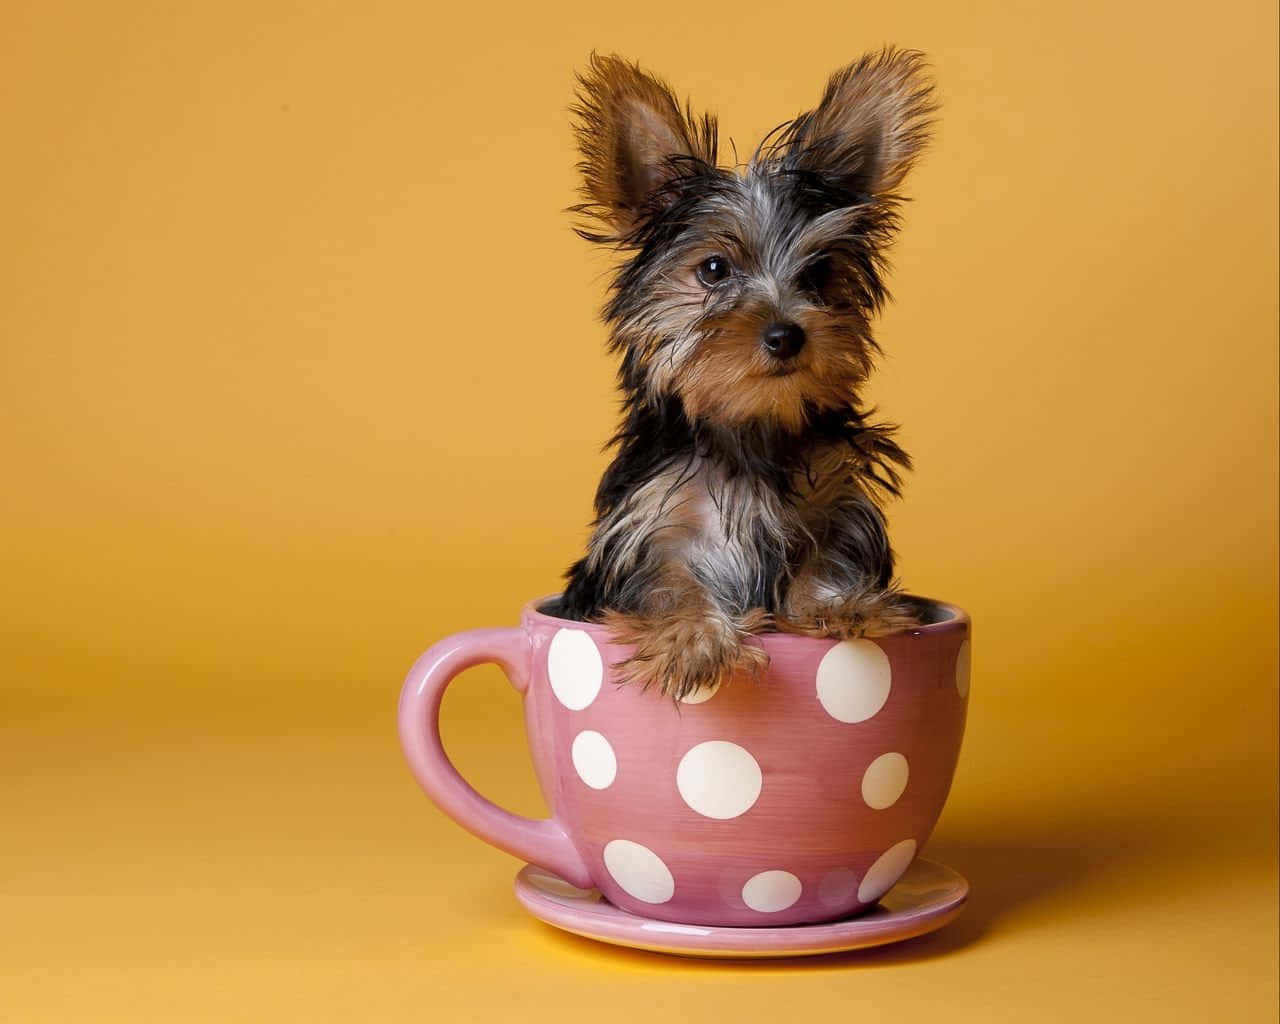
(737, 535)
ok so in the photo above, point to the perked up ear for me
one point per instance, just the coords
(872, 123)
(634, 139)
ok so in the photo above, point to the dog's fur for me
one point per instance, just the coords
(746, 488)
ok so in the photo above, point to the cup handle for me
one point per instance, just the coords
(542, 842)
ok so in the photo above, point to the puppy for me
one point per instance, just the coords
(746, 486)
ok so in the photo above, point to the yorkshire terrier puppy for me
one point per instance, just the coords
(746, 489)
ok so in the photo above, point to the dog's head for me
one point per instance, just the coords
(748, 292)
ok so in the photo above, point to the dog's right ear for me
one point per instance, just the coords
(634, 140)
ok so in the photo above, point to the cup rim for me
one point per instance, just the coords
(956, 620)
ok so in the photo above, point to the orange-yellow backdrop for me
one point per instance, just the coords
(301, 371)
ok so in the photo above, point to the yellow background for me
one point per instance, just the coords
(301, 372)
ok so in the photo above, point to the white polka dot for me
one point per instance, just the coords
(887, 869)
(771, 891)
(594, 759)
(853, 680)
(719, 779)
(884, 780)
(701, 694)
(962, 669)
(639, 871)
(837, 888)
(575, 668)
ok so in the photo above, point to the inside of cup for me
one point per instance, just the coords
(551, 606)
(929, 611)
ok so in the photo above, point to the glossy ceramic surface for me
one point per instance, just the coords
(927, 897)
(799, 798)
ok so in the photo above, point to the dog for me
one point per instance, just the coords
(747, 483)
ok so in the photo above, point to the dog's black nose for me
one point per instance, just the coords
(783, 339)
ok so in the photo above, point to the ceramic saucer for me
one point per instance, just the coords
(928, 896)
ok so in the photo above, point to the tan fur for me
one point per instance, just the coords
(731, 378)
(828, 479)
(629, 126)
(683, 641)
(812, 609)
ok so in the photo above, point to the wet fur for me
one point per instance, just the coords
(745, 493)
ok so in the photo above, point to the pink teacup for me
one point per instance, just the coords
(800, 797)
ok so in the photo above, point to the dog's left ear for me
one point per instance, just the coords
(634, 139)
(872, 123)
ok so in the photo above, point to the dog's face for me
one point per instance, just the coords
(749, 292)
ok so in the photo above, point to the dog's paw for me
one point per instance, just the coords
(683, 653)
(847, 617)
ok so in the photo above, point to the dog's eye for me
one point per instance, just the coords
(817, 275)
(713, 270)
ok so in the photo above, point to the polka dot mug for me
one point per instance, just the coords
(800, 797)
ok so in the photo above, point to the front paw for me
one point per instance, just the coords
(847, 617)
(681, 654)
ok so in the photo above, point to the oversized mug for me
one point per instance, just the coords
(799, 796)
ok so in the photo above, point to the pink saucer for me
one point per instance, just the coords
(928, 896)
